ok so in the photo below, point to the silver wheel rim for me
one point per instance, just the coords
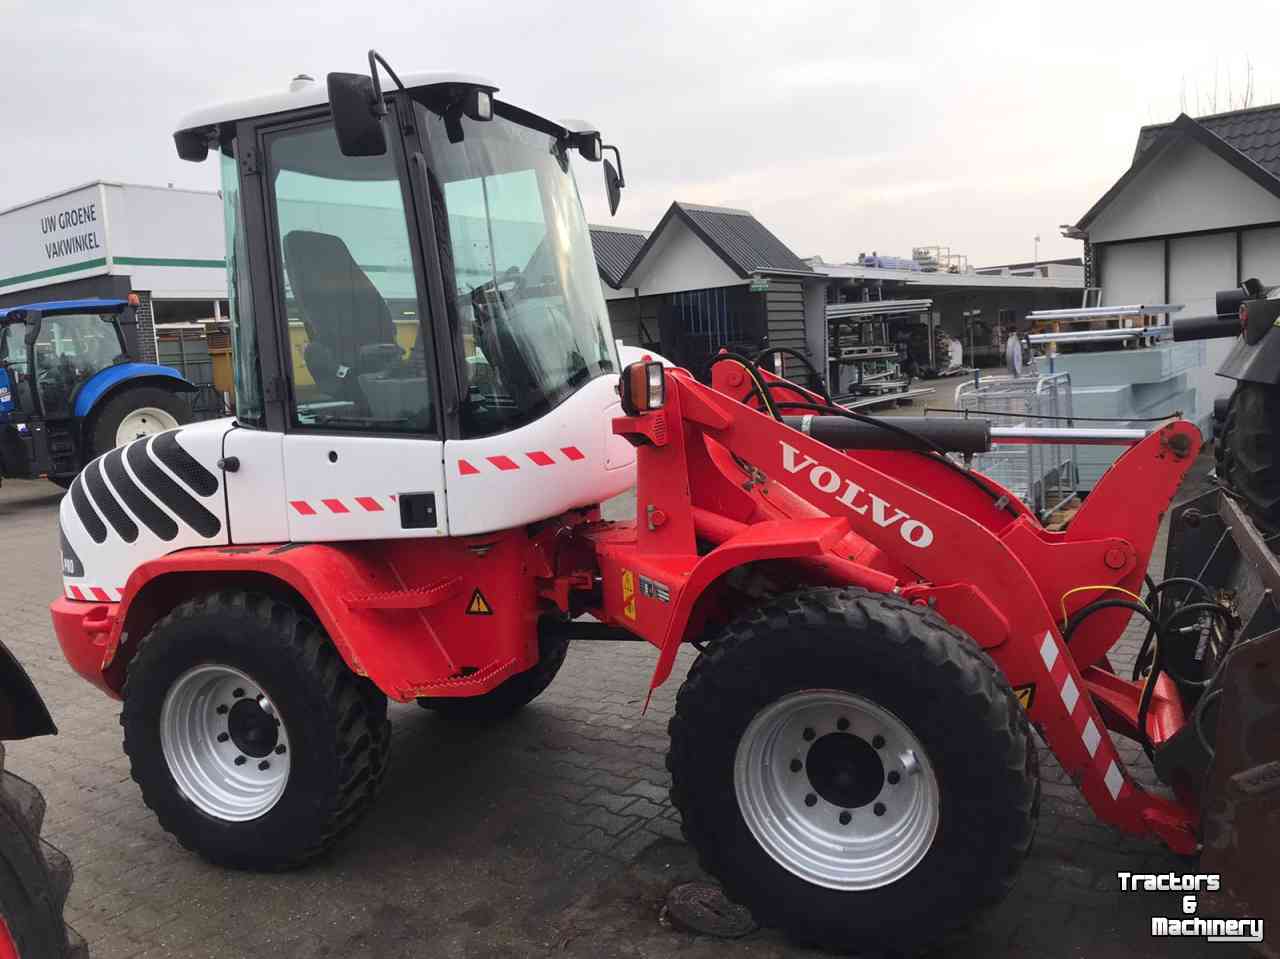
(804, 767)
(216, 732)
(144, 421)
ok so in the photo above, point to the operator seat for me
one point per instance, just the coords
(342, 310)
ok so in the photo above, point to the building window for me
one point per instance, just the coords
(187, 311)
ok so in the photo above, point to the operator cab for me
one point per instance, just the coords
(414, 264)
(48, 351)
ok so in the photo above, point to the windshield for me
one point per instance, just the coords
(71, 348)
(520, 275)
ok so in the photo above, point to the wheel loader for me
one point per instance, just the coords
(35, 877)
(430, 411)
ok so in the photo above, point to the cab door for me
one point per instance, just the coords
(363, 446)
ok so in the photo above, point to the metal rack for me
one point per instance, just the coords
(879, 377)
(1044, 476)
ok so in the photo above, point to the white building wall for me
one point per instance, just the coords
(680, 261)
(1187, 189)
(1200, 266)
(1260, 255)
(53, 240)
(1133, 273)
(171, 242)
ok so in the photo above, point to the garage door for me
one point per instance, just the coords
(1200, 266)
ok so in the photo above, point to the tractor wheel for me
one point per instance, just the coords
(1250, 442)
(854, 770)
(252, 741)
(134, 413)
(34, 879)
(512, 695)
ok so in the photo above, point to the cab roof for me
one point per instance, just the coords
(306, 94)
(67, 306)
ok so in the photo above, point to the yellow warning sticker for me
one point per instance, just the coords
(629, 594)
(479, 606)
(1026, 695)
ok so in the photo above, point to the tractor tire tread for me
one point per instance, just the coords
(351, 705)
(731, 664)
(43, 872)
(1250, 461)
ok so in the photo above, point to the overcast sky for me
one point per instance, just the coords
(845, 127)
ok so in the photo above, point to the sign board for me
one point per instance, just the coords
(53, 240)
(759, 284)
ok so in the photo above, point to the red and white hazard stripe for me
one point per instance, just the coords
(94, 594)
(338, 506)
(519, 461)
(1098, 745)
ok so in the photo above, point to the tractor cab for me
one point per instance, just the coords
(415, 265)
(60, 362)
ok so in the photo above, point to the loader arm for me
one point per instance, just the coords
(982, 573)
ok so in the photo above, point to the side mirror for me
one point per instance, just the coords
(612, 186)
(357, 115)
(191, 145)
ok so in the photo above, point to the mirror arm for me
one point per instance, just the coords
(622, 180)
(375, 58)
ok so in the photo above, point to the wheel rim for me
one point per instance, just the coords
(143, 422)
(226, 745)
(836, 789)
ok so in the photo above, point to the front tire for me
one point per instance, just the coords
(854, 770)
(34, 879)
(251, 740)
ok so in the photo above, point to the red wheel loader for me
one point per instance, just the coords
(430, 409)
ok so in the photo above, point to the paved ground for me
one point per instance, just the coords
(548, 835)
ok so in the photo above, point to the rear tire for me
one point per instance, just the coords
(801, 831)
(34, 878)
(510, 696)
(201, 697)
(1250, 461)
(172, 411)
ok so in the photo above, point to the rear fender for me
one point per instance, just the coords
(398, 612)
(111, 380)
(1256, 362)
(23, 713)
(383, 645)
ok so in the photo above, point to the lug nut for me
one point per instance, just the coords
(223, 737)
(845, 818)
(894, 777)
(239, 760)
(809, 734)
(877, 741)
(264, 765)
(280, 750)
(222, 710)
(238, 693)
(842, 724)
(878, 809)
(811, 800)
(796, 765)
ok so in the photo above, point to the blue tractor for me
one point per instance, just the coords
(69, 389)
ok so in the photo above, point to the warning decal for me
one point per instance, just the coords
(629, 594)
(479, 606)
(1026, 695)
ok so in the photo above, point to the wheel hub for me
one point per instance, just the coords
(836, 789)
(226, 746)
(142, 422)
(253, 730)
(845, 770)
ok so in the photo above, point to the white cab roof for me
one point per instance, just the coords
(307, 95)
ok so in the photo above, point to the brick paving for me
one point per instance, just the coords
(550, 834)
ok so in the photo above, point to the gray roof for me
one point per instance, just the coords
(615, 248)
(1248, 140)
(1254, 132)
(745, 244)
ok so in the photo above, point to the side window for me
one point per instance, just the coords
(356, 331)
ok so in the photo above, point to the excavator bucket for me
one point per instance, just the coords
(1237, 723)
(1242, 797)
